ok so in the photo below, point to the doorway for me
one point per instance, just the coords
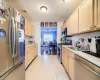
(48, 41)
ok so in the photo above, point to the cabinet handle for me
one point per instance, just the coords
(87, 68)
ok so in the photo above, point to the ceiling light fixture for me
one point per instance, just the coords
(66, 1)
(43, 8)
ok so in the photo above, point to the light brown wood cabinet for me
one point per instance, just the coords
(30, 54)
(97, 13)
(26, 27)
(69, 26)
(29, 28)
(72, 24)
(98, 7)
(71, 68)
(65, 59)
(68, 62)
(86, 16)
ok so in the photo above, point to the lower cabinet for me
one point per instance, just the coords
(68, 62)
(31, 53)
(71, 68)
(65, 60)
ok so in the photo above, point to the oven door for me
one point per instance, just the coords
(59, 52)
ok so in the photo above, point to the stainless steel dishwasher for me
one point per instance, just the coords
(85, 70)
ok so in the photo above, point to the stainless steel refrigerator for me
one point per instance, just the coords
(10, 49)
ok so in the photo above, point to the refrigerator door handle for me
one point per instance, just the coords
(10, 37)
(13, 37)
(15, 46)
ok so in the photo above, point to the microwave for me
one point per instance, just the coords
(64, 32)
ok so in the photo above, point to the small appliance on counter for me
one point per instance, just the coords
(94, 45)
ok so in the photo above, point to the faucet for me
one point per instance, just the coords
(78, 45)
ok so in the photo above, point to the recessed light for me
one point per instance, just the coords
(66, 1)
(43, 8)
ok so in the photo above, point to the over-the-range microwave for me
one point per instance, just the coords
(64, 32)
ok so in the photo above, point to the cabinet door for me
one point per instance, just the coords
(26, 27)
(69, 26)
(86, 16)
(66, 62)
(33, 30)
(98, 25)
(74, 22)
(29, 29)
(65, 59)
(71, 68)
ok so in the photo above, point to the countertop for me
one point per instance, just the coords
(90, 58)
(30, 45)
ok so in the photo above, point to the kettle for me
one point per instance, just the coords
(93, 45)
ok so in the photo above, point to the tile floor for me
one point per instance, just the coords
(46, 67)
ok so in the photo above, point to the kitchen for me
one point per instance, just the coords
(78, 40)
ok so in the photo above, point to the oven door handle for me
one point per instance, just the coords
(87, 68)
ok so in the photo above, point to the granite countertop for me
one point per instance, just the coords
(90, 58)
(30, 45)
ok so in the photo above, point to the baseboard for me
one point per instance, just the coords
(66, 71)
(30, 63)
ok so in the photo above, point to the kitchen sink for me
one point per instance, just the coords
(72, 48)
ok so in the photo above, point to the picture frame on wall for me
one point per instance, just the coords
(42, 24)
(46, 24)
(50, 24)
(55, 24)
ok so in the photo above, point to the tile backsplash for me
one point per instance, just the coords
(85, 36)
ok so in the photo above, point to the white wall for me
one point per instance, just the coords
(38, 34)
(59, 31)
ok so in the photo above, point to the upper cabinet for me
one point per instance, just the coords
(98, 7)
(29, 28)
(69, 26)
(97, 13)
(26, 27)
(72, 24)
(64, 26)
(86, 16)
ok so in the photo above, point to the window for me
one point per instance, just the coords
(48, 37)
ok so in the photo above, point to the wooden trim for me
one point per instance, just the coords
(82, 3)
(88, 31)
(30, 63)
(66, 72)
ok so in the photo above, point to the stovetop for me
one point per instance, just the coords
(93, 54)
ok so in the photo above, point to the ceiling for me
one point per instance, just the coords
(58, 10)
